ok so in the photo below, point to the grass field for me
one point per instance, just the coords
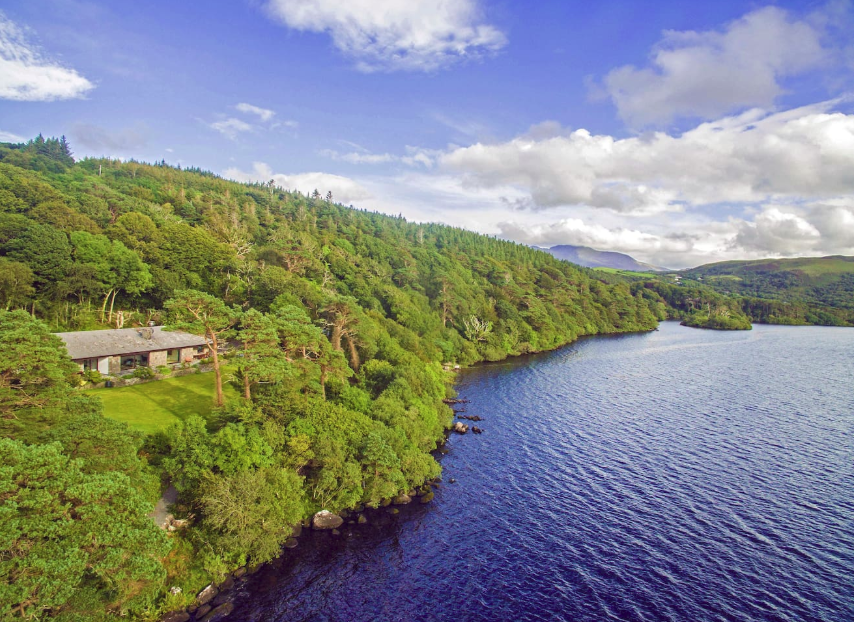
(626, 272)
(153, 406)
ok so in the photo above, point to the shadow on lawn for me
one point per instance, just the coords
(179, 399)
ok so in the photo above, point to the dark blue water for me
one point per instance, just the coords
(677, 475)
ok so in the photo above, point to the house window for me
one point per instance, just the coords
(90, 364)
(173, 356)
(133, 361)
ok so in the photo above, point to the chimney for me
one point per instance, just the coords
(146, 333)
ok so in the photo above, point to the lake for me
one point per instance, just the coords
(681, 474)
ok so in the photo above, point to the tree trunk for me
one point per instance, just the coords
(112, 302)
(247, 393)
(323, 381)
(217, 372)
(104, 306)
(335, 337)
(354, 353)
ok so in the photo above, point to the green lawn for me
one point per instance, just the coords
(153, 406)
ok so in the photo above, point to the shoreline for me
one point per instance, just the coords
(218, 591)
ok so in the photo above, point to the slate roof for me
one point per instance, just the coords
(97, 343)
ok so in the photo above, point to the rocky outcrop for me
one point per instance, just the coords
(206, 595)
(176, 616)
(402, 499)
(327, 520)
(427, 498)
(224, 610)
(460, 427)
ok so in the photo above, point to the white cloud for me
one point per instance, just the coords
(231, 127)
(578, 231)
(344, 189)
(777, 231)
(9, 137)
(754, 157)
(711, 73)
(27, 75)
(817, 228)
(265, 114)
(358, 157)
(387, 35)
(414, 156)
(691, 239)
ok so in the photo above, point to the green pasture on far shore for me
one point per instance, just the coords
(153, 406)
(626, 272)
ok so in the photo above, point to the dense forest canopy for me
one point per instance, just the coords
(343, 319)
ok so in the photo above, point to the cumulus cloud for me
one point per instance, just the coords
(388, 35)
(753, 157)
(344, 189)
(26, 74)
(817, 228)
(712, 73)
(265, 114)
(690, 240)
(231, 127)
(102, 141)
(778, 232)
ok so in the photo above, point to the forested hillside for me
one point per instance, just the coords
(344, 318)
(822, 281)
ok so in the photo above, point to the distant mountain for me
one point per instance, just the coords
(827, 281)
(591, 258)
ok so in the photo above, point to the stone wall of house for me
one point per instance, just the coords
(157, 358)
(187, 354)
(115, 364)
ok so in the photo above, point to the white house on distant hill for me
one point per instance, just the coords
(124, 349)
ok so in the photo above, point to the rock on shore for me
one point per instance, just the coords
(327, 520)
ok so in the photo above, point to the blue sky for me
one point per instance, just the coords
(678, 132)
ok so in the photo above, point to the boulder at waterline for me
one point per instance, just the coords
(327, 520)
(206, 595)
(219, 613)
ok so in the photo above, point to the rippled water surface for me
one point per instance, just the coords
(676, 475)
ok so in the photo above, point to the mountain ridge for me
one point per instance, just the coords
(593, 258)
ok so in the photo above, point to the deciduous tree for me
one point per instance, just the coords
(207, 316)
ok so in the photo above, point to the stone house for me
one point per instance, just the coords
(124, 349)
